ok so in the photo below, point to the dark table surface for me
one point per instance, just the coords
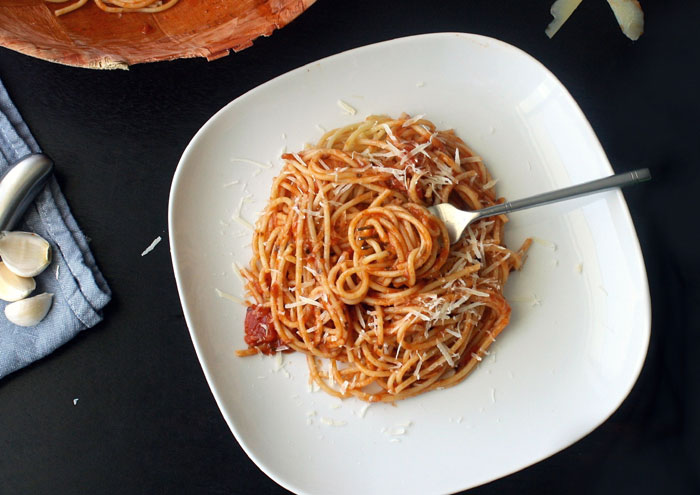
(146, 421)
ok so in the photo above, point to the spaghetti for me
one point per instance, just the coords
(351, 269)
(118, 6)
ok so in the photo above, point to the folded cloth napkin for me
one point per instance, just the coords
(80, 292)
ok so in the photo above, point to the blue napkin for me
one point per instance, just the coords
(80, 292)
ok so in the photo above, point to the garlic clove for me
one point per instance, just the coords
(561, 11)
(24, 253)
(13, 287)
(629, 16)
(29, 312)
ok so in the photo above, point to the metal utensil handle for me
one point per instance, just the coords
(617, 180)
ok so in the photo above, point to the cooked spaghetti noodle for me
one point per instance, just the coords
(350, 268)
(118, 6)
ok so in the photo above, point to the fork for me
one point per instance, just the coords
(457, 220)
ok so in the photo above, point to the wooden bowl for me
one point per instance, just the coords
(89, 37)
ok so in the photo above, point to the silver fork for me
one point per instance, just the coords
(457, 220)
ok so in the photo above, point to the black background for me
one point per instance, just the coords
(146, 421)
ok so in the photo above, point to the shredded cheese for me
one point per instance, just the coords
(446, 353)
(230, 297)
(252, 162)
(333, 422)
(346, 108)
(148, 249)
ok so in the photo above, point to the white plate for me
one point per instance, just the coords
(581, 312)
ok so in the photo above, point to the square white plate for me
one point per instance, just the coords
(581, 312)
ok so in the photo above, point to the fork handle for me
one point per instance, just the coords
(617, 180)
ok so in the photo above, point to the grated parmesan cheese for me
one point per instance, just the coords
(346, 108)
(446, 353)
(490, 183)
(546, 243)
(230, 297)
(149, 248)
(332, 422)
(303, 300)
(251, 162)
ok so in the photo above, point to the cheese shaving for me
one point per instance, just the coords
(252, 162)
(148, 249)
(230, 297)
(446, 353)
(332, 422)
(545, 242)
(303, 300)
(346, 108)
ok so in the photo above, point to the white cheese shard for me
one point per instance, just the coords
(629, 16)
(252, 162)
(230, 297)
(490, 183)
(561, 11)
(303, 300)
(151, 246)
(242, 221)
(333, 422)
(346, 108)
(544, 242)
(446, 353)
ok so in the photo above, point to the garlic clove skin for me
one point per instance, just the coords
(12, 286)
(29, 312)
(24, 253)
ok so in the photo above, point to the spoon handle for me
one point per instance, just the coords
(617, 180)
